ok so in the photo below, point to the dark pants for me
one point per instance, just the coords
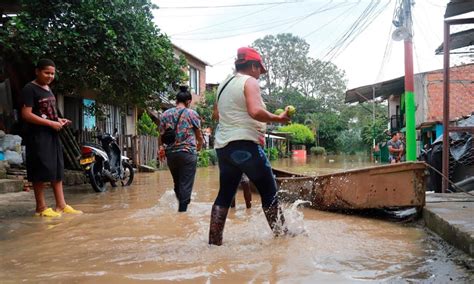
(183, 169)
(245, 157)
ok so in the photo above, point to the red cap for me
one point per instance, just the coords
(245, 54)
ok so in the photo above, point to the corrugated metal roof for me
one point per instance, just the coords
(458, 7)
(382, 89)
(458, 40)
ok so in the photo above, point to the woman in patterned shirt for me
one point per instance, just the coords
(182, 154)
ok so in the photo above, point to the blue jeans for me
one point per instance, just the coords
(245, 157)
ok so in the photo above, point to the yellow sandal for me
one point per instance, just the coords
(48, 212)
(69, 210)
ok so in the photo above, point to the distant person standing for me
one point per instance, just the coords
(44, 155)
(403, 143)
(245, 186)
(240, 134)
(395, 148)
(181, 154)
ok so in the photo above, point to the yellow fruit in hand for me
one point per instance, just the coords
(291, 110)
(279, 111)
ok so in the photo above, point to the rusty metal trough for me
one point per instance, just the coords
(389, 186)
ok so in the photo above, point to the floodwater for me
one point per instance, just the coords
(135, 234)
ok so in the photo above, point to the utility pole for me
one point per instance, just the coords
(409, 84)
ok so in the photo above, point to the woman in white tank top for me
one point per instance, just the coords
(239, 138)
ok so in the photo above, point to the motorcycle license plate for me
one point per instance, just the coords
(87, 160)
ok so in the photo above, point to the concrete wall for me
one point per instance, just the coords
(421, 103)
(393, 102)
(131, 120)
(60, 103)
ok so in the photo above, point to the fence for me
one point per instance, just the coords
(146, 149)
(140, 149)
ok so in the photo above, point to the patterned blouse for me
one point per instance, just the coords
(185, 136)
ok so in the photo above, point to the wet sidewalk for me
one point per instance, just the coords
(451, 216)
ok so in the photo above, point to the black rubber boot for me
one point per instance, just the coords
(216, 228)
(183, 207)
(276, 220)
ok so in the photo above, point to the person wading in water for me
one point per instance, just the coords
(240, 134)
(181, 154)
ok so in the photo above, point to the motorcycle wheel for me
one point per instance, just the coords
(127, 175)
(96, 179)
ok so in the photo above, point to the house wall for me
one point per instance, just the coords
(461, 93)
(131, 120)
(429, 94)
(199, 65)
(393, 102)
(60, 103)
(421, 103)
(202, 79)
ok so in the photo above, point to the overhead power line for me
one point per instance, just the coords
(317, 12)
(269, 26)
(225, 22)
(388, 45)
(331, 21)
(227, 6)
(359, 26)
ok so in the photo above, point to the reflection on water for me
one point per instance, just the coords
(316, 165)
(133, 234)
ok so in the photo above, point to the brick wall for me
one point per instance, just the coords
(461, 93)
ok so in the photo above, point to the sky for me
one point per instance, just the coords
(213, 30)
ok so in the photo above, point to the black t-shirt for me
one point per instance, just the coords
(42, 102)
(44, 156)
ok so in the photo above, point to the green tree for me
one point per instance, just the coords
(303, 105)
(205, 108)
(146, 126)
(290, 70)
(110, 48)
(349, 141)
(361, 116)
(375, 130)
(301, 133)
(330, 127)
(281, 54)
(322, 81)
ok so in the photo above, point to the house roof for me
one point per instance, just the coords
(458, 7)
(382, 89)
(386, 88)
(187, 53)
(458, 40)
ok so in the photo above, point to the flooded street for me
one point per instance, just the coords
(134, 234)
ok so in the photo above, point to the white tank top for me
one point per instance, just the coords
(234, 121)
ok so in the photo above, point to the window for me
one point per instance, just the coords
(112, 121)
(88, 114)
(194, 80)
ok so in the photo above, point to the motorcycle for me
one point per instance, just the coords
(104, 163)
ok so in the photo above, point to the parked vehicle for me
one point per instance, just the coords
(104, 163)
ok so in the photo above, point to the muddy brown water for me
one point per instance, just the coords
(135, 234)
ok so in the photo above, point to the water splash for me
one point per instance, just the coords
(294, 218)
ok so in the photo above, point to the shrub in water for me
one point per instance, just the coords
(203, 159)
(317, 150)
